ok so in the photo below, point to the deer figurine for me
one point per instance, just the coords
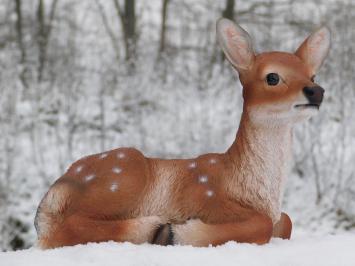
(121, 195)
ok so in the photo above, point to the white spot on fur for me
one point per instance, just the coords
(116, 170)
(114, 187)
(121, 155)
(79, 168)
(192, 165)
(102, 156)
(89, 177)
(203, 179)
(209, 193)
(212, 161)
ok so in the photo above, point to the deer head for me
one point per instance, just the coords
(278, 87)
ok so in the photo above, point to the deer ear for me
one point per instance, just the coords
(315, 48)
(236, 44)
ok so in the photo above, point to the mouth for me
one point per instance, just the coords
(308, 105)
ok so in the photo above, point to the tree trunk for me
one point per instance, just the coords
(128, 21)
(20, 43)
(109, 30)
(41, 38)
(43, 34)
(164, 14)
(228, 12)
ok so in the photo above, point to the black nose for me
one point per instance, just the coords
(314, 94)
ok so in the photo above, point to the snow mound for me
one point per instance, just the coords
(306, 250)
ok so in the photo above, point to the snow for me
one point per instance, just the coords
(302, 250)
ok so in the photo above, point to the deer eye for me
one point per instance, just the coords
(272, 79)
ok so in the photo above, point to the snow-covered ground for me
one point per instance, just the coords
(301, 250)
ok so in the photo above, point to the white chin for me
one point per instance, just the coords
(306, 112)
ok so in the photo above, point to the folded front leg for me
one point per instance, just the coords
(283, 227)
(257, 229)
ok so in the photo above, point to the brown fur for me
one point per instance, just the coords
(283, 228)
(121, 195)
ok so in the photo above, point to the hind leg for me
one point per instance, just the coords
(78, 230)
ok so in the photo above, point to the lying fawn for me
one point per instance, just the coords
(121, 195)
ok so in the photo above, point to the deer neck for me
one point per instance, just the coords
(260, 157)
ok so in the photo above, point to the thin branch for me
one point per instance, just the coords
(108, 29)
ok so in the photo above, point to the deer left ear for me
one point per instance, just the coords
(236, 44)
(315, 48)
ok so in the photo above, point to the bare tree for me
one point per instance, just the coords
(228, 12)
(108, 29)
(164, 14)
(43, 34)
(18, 10)
(128, 21)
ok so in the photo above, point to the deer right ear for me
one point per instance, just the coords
(236, 44)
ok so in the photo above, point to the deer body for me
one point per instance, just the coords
(121, 195)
